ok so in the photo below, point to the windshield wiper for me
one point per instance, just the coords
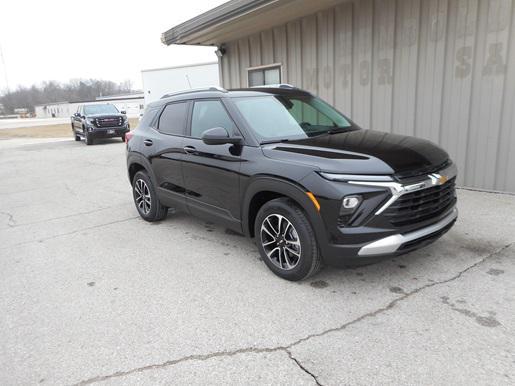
(268, 141)
(339, 129)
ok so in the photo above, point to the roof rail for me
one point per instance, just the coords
(192, 90)
(278, 85)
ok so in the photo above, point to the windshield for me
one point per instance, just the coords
(277, 117)
(100, 109)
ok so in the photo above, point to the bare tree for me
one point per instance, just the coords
(75, 90)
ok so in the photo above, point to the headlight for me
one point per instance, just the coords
(90, 121)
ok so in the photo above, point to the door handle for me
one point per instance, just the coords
(189, 149)
(148, 142)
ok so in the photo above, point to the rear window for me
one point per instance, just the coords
(173, 119)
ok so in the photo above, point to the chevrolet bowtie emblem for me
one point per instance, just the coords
(438, 179)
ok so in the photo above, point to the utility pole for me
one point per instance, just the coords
(5, 68)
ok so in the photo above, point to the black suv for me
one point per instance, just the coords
(285, 168)
(99, 121)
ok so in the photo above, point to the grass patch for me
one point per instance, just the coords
(50, 131)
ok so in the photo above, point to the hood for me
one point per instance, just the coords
(105, 115)
(363, 152)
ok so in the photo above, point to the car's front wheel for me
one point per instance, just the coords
(88, 138)
(146, 200)
(286, 240)
(77, 136)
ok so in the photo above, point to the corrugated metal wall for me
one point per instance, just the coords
(438, 69)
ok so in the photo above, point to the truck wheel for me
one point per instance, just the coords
(146, 200)
(123, 137)
(77, 137)
(88, 138)
(286, 240)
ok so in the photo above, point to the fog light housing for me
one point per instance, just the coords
(347, 209)
(351, 202)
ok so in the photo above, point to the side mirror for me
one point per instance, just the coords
(123, 112)
(219, 136)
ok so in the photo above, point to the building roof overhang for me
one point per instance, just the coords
(239, 18)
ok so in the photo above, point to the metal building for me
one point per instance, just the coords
(160, 81)
(438, 69)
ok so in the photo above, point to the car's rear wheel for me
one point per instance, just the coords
(146, 200)
(286, 240)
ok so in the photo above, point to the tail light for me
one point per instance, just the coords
(128, 136)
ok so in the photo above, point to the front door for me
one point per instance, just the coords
(211, 172)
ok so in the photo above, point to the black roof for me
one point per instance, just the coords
(213, 92)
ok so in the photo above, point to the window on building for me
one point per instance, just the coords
(208, 115)
(173, 119)
(262, 76)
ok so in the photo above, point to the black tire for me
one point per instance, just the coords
(306, 260)
(88, 138)
(156, 211)
(123, 137)
(77, 137)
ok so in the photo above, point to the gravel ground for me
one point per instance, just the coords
(93, 294)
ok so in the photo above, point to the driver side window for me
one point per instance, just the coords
(209, 114)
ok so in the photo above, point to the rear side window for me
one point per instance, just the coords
(173, 119)
(148, 117)
(208, 115)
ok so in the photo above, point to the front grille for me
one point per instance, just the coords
(109, 122)
(422, 205)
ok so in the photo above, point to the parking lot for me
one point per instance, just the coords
(93, 294)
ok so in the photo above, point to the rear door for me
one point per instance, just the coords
(211, 172)
(165, 144)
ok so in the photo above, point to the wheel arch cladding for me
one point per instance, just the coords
(134, 168)
(137, 162)
(264, 189)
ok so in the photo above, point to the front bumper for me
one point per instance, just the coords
(108, 132)
(389, 244)
(409, 241)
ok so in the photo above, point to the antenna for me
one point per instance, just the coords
(188, 79)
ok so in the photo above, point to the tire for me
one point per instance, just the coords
(123, 137)
(77, 137)
(149, 208)
(88, 138)
(293, 254)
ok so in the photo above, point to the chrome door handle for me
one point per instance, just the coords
(148, 142)
(189, 149)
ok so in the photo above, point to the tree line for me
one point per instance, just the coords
(75, 90)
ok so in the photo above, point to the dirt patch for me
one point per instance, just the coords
(49, 131)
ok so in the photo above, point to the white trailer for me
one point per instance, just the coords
(160, 81)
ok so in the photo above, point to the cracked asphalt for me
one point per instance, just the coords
(91, 294)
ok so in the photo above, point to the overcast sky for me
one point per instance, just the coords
(106, 39)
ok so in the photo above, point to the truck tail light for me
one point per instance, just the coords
(128, 136)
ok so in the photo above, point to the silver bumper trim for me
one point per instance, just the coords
(392, 243)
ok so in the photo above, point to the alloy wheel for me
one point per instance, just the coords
(142, 196)
(280, 241)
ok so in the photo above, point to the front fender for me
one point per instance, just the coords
(288, 189)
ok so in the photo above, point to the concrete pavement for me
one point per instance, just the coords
(93, 294)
